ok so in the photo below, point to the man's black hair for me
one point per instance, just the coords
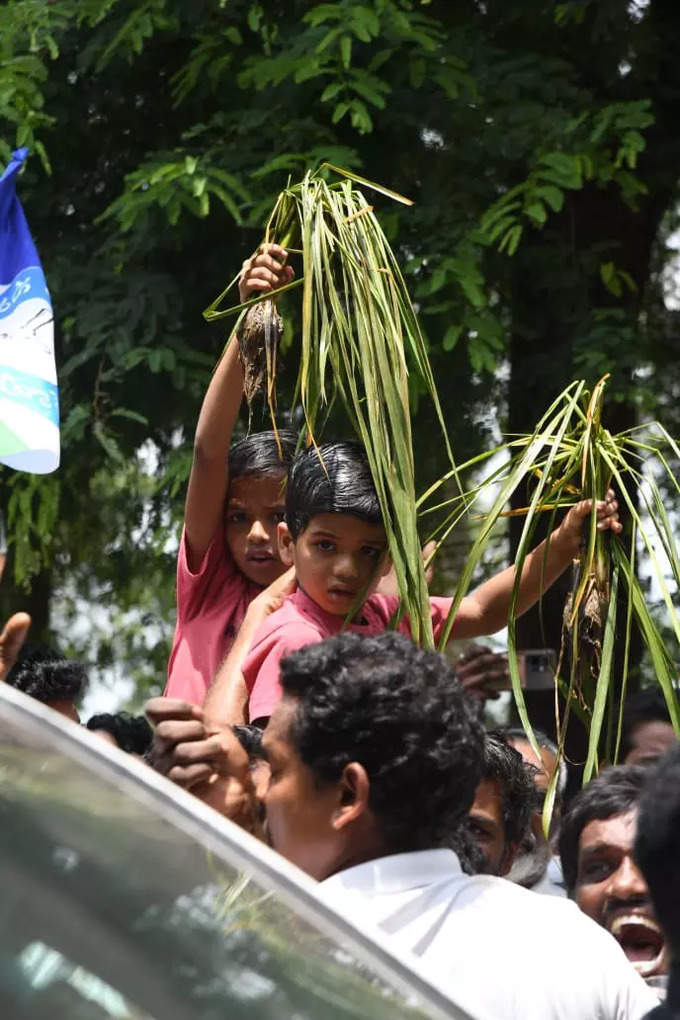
(132, 733)
(471, 857)
(506, 766)
(250, 739)
(46, 675)
(333, 479)
(646, 705)
(657, 843)
(513, 733)
(400, 712)
(614, 792)
(259, 454)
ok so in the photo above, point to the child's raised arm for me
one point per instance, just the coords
(485, 610)
(208, 481)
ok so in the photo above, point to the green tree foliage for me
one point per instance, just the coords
(538, 141)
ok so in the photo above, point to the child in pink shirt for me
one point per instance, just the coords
(229, 550)
(335, 539)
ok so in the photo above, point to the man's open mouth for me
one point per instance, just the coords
(259, 557)
(641, 940)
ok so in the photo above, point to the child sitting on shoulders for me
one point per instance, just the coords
(228, 552)
(334, 537)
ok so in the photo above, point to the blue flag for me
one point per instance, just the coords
(29, 398)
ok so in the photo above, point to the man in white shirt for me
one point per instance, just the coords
(374, 755)
(516, 954)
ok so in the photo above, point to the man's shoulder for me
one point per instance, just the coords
(499, 911)
(512, 901)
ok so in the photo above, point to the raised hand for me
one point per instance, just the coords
(483, 673)
(11, 640)
(265, 271)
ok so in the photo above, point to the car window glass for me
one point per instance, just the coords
(109, 910)
(56, 983)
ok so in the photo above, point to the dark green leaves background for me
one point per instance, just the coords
(538, 141)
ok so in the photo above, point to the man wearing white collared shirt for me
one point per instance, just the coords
(517, 954)
(374, 755)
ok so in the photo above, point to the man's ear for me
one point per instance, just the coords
(286, 544)
(354, 790)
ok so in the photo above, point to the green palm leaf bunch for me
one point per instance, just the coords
(571, 455)
(360, 339)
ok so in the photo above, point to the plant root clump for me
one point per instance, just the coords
(592, 612)
(258, 342)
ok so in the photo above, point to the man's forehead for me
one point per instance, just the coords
(488, 799)
(650, 739)
(616, 832)
(545, 764)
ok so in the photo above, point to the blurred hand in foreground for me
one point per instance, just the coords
(206, 759)
(11, 641)
(483, 674)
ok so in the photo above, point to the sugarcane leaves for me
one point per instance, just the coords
(353, 303)
(380, 188)
(213, 312)
(555, 445)
(553, 422)
(360, 340)
(664, 669)
(619, 467)
(572, 455)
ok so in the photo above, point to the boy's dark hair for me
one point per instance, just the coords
(614, 792)
(132, 733)
(657, 843)
(333, 479)
(646, 705)
(506, 766)
(259, 454)
(47, 675)
(400, 712)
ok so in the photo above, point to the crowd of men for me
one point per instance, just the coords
(376, 777)
(299, 707)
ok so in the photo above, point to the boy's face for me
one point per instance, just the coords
(338, 558)
(255, 506)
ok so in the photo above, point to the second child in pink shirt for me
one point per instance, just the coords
(229, 551)
(334, 537)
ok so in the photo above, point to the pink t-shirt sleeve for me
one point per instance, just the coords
(210, 606)
(193, 587)
(262, 666)
(440, 610)
(387, 605)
